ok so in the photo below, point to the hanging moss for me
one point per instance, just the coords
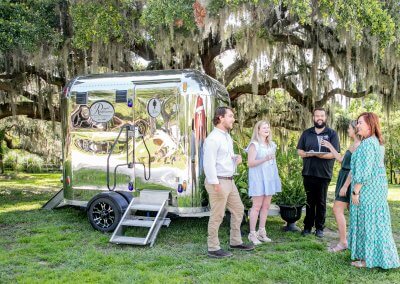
(360, 35)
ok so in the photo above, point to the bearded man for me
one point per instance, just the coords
(317, 170)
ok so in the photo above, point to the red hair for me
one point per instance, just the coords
(372, 120)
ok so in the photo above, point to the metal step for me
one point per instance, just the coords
(137, 223)
(129, 219)
(143, 223)
(129, 240)
(145, 207)
(55, 200)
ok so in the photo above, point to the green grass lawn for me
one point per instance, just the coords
(59, 246)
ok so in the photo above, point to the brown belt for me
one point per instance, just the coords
(227, 178)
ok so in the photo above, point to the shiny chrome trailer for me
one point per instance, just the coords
(128, 133)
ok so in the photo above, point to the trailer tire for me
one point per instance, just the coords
(105, 211)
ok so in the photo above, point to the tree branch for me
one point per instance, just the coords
(30, 109)
(265, 87)
(18, 76)
(211, 49)
(9, 87)
(143, 50)
(234, 69)
(340, 91)
(290, 39)
(276, 122)
(11, 145)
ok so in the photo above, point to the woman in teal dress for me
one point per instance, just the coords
(342, 192)
(370, 233)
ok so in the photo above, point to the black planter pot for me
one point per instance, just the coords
(291, 214)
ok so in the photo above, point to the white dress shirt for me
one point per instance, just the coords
(218, 158)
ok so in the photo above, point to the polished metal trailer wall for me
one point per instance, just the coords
(146, 127)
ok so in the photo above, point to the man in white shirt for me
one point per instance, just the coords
(219, 163)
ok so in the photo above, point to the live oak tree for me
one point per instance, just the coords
(315, 51)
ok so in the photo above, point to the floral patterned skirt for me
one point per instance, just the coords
(370, 235)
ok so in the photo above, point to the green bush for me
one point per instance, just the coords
(22, 161)
(290, 167)
(241, 181)
(241, 176)
(33, 164)
(10, 161)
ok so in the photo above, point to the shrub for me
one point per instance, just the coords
(290, 167)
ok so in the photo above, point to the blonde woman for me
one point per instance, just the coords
(264, 180)
(342, 192)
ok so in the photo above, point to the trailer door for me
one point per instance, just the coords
(160, 158)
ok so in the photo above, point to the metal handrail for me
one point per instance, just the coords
(127, 127)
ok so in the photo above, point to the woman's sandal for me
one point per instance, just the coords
(359, 264)
(339, 247)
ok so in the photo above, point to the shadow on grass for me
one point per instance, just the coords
(61, 246)
(13, 197)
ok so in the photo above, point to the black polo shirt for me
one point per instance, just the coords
(313, 166)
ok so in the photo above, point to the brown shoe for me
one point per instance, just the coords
(243, 247)
(219, 253)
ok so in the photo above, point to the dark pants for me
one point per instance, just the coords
(316, 190)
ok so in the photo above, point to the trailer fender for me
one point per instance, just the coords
(127, 195)
(120, 200)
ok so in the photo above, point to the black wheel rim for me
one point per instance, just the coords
(103, 215)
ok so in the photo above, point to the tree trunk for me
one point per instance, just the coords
(2, 133)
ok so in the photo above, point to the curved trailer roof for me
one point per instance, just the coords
(197, 81)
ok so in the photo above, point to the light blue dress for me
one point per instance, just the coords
(264, 178)
(370, 232)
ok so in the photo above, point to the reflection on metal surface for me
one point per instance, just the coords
(80, 117)
(169, 138)
(167, 162)
(101, 147)
(166, 147)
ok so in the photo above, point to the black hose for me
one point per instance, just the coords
(149, 163)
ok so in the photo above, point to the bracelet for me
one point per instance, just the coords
(354, 193)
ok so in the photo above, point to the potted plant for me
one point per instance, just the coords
(292, 198)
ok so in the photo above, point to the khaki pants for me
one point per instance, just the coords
(227, 197)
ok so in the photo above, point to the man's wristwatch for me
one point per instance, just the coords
(354, 193)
